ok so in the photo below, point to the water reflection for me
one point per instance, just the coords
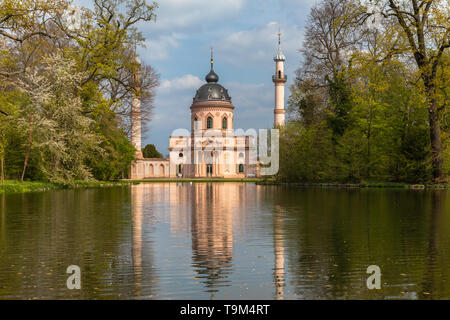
(432, 278)
(212, 235)
(137, 195)
(225, 241)
(278, 236)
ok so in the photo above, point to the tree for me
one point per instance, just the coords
(25, 19)
(364, 82)
(105, 44)
(306, 102)
(149, 151)
(63, 136)
(85, 97)
(341, 104)
(424, 31)
(332, 34)
(333, 31)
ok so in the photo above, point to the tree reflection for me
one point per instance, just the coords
(434, 276)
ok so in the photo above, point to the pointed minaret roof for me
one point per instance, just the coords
(212, 77)
(279, 56)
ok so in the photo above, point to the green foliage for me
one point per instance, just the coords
(305, 152)
(149, 151)
(341, 104)
(383, 93)
(378, 133)
(65, 90)
(117, 152)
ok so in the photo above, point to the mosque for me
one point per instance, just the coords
(212, 149)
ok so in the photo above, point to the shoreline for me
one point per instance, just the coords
(362, 185)
(13, 186)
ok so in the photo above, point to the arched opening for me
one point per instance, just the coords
(241, 168)
(209, 170)
(151, 170)
(195, 123)
(209, 123)
(161, 170)
(225, 123)
(279, 74)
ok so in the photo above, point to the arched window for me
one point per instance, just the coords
(209, 123)
(279, 74)
(152, 171)
(224, 123)
(195, 123)
(241, 168)
(209, 170)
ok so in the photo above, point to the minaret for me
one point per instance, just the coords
(280, 80)
(136, 110)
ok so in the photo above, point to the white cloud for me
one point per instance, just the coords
(253, 104)
(158, 48)
(188, 81)
(258, 45)
(176, 19)
(181, 14)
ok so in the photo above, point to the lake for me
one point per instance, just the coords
(225, 241)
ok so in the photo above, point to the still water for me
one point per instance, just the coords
(225, 241)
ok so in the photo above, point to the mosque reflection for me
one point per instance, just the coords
(212, 233)
(137, 205)
(212, 216)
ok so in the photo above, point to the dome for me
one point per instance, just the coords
(279, 56)
(212, 91)
(212, 77)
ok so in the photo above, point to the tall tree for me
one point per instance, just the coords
(424, 27)
(95, 51)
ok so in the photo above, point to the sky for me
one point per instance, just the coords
(243, 34)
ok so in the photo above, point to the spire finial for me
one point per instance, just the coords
(212, 58)
(279, 56)
(212, 77)
(279, 37)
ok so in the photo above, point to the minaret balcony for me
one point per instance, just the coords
(279, 79)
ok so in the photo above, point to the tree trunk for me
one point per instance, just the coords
(2, 172)
(435, 134)
(27, 154)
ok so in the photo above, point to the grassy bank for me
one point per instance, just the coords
(356, 185)
(14, 186)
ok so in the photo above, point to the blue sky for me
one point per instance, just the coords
(243, 34)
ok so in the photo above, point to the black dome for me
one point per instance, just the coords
(212, 92)
(212, 77)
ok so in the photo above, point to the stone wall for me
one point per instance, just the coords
(150, 169)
